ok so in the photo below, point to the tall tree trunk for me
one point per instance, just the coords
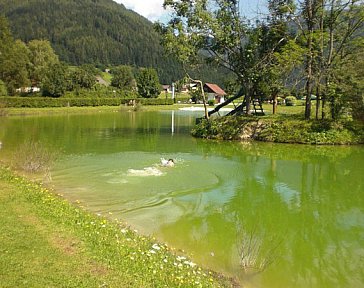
(323, 113)
(203, 95)
(321, 59)
(203, 99)
(318, 97)
(324, 96)
(275, 102)
(308, 105)
(330, 54)
(310, 18)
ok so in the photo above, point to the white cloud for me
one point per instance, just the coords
(151, 9)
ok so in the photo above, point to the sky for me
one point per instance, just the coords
(153, 9)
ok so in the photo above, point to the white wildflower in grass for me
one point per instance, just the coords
(152, 251)
(180, 258)
(189, 263)
(156, 247)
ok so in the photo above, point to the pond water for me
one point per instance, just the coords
(297, 211)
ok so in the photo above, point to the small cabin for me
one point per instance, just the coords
(214, 92)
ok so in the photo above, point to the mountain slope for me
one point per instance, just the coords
(91, 31)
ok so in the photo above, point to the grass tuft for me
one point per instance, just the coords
(34, 157)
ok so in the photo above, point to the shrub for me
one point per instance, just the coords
(34, 157)
(101, 92)
(182, 98)
(148, 83)
(291, 101)
(3, 89)
(3, 111)
(155, 101)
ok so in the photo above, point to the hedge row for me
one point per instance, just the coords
(43, 102)
(101, 93)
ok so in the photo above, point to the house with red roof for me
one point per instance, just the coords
(214, 92)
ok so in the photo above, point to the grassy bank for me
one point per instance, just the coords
(284, 129)
(85, 110)
(59, 110)
(12, 111)
(79, 110)
(47, 242)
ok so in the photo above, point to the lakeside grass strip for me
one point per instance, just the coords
(47, 242)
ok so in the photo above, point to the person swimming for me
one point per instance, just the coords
(167, 163)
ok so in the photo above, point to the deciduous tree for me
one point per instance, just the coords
(14, 59)
(148, 83)
(82, 77)
(42, 56)
(123, 78)
(217, 30)
(55, 83)
(328, 30)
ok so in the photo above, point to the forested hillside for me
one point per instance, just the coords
(99, 32)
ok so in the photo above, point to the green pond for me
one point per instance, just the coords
(271, 215)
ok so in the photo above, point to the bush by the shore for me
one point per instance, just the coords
(282, 130)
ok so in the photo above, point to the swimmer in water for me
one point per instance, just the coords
(167, 163)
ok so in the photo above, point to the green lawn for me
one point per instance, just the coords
(281, 110)
(60, 110)
(106, 76)
(284, 110)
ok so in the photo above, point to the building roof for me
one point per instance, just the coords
(215, 89)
